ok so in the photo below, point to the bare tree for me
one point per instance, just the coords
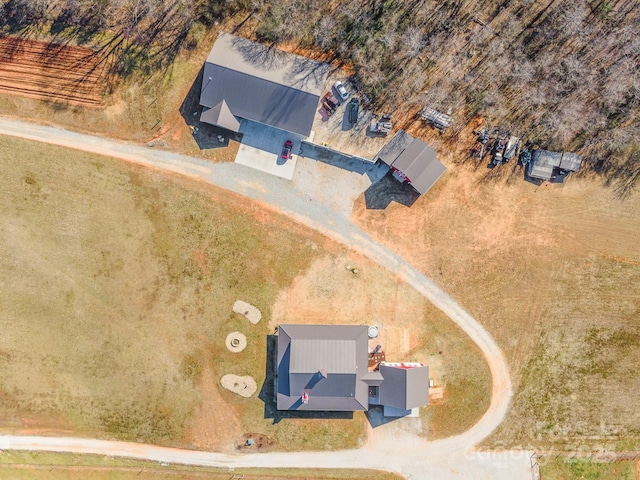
(413, 41)
(323, 34)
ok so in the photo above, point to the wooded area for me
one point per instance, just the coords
(562, 72)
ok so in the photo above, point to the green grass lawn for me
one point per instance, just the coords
(563, 468)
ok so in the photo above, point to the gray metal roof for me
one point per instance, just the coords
(373, 378)
(419, 163)
(542, 164)
(220, 115)
(310, 355)
(263, 84)
(404, 388)
(570, 161)
(394, 147)
(414, 158)
(326, 361)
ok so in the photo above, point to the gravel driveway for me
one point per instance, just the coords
(399, 450)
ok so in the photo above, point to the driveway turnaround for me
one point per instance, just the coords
(403, 451)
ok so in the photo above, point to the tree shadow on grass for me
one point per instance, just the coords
(268, 392)
(625, 178)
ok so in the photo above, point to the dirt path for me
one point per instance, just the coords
(400, 451)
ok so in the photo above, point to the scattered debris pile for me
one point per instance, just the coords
(502, 145)
(436, 119)
(381, 126)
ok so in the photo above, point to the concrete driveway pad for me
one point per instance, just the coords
(261, 147)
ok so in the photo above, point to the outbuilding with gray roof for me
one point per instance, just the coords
(412, 161)
(553, 166)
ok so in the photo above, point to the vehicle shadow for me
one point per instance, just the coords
(346, 124)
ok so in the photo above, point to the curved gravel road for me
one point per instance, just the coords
(400, 451)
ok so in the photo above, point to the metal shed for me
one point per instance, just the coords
(412, 161)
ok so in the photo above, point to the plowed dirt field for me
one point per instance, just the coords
(49, 71)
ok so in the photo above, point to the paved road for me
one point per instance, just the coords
(398, 450)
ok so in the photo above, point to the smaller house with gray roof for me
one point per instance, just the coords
(553, 166)
(412, 161)
(325, 368)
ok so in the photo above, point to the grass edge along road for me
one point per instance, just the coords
(19, 464)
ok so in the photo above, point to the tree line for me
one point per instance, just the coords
(143, 34)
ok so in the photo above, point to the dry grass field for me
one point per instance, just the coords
(553, 272)
(118, 284)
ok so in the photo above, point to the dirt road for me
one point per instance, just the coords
(389, 450)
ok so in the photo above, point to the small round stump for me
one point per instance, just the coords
(236, 342)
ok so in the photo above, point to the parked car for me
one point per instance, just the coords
(342, 92)
(498, 150)
(512, 148)
(330, 103)
(354, 105)
(380, 127)
(286, 150)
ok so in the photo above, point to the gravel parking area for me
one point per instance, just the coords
(339, 134)
(336, 183)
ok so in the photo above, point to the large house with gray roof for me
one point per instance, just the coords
(247, 80)
(325, 367)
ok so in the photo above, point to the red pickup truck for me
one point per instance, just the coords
(330, 103)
